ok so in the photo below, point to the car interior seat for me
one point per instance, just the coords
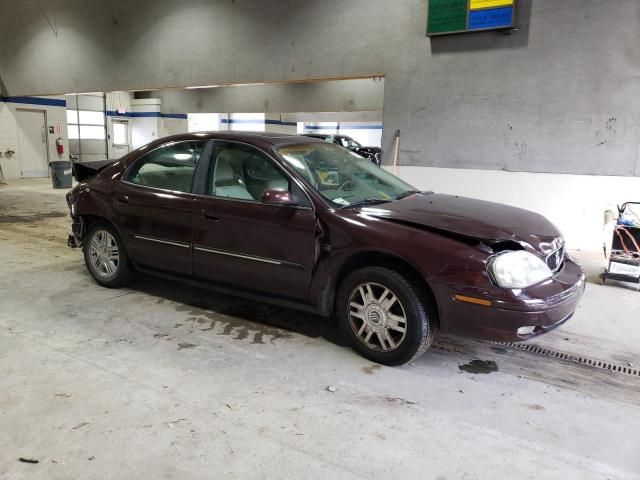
(175, 178)
(227, 183)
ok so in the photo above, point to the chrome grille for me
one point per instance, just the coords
(555, 259)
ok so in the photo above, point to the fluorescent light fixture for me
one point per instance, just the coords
(198, 87)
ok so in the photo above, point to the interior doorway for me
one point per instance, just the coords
(32, 138)
(119, 138)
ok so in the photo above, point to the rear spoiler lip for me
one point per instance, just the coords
(85, 170)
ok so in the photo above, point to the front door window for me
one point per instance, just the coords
(242, 172)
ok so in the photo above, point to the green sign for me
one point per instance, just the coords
(447, 16)
(458, 16)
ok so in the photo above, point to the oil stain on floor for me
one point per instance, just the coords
(237, 318)
(479, 366)
(235, 324)
(371, 368)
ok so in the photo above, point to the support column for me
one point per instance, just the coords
(275, 123)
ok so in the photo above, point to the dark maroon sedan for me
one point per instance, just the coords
(310, 225)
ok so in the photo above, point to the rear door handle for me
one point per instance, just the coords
(210, 218)
(121, 198)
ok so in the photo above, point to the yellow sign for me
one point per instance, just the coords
(477, 4)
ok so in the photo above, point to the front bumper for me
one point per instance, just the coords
(77, 232)
(72, 242)
(545, 307)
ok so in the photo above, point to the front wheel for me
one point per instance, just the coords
(386, 318)
(105, 257)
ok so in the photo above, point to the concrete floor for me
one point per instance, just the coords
(165, 381)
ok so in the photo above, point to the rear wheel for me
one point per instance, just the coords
(105, 257)
(386, 318)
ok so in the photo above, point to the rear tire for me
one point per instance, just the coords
(105, 256)
(385, 317)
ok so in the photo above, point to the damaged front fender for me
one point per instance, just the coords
(77, 229)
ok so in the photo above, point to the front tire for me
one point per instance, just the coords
(386, 318)
(105, 256)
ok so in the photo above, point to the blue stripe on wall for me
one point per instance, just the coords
(145, 114)
(49, 102)
(113, 113)
(343, 127)
(280, 122)
(257, 122)
(246, 122)
(182, 116)
(361, 127)
(321, 127)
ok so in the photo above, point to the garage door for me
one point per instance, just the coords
(86, 124)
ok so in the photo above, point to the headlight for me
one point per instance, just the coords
(518, 269)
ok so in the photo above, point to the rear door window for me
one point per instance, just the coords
(170, 167)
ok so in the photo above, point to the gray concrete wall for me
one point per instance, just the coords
(559, 95)
(330, 96)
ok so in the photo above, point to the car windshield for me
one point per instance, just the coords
(343, 177)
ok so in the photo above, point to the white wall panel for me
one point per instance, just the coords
(56, 119)
(203, 122)
(368, 134)
(574, 203)
(145, 129)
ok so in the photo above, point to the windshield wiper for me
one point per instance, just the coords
(406, 194)
(367, 201)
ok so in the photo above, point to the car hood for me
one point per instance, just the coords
(473, 219)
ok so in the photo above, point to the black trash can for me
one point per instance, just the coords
(61, 174)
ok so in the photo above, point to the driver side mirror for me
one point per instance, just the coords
(274, 196)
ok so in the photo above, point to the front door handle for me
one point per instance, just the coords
(210, 218)
(121, 198)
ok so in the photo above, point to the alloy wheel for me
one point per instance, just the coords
(104, 254)
(377, 317)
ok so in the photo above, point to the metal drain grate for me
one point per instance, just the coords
(592, 362)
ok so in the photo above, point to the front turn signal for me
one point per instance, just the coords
(473, 300)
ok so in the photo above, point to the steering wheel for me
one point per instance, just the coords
(348, 182)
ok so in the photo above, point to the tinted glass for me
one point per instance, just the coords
(341, 176)
(242, 172)
(170, 167)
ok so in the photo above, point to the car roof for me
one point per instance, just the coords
(271, 138)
